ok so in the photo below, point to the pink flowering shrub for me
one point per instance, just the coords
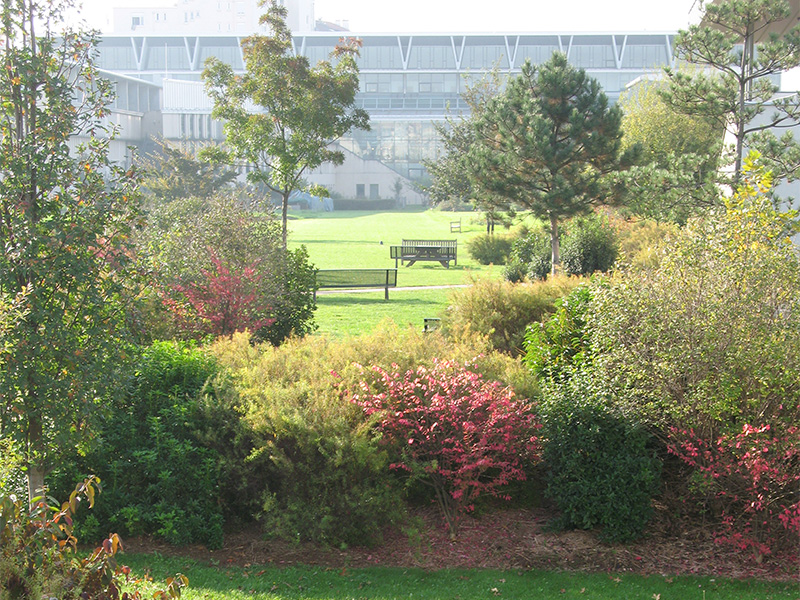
(464, 436)
(753, 480)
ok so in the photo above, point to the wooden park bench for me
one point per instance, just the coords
(410, 251)
(356, 278)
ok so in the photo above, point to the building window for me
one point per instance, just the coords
(136, 22)
(373, 191)
(360, 190)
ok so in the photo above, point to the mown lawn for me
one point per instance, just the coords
(379, 583)
(355, 239)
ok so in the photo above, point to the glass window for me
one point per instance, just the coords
(360, 190)
(373, 191)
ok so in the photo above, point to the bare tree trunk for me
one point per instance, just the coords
(556, 249)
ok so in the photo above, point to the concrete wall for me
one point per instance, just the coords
(357, 177)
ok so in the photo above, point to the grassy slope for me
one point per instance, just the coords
(351, 239)
(319, 583)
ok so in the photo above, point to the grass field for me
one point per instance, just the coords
(352, 239)
(382, 583)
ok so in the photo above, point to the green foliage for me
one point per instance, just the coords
(531, 256)
(160, 452)
(590, 245)
(172, 173)
(546, 143)
(641, 240)
(300, 110)
(557, 346)
(601, 470)
(39, 558)
(677, 168)
(220, 268)
(502, 310)
(66, 219)
(734, 87)
(489, 249)
(709, 338)
(315, 463)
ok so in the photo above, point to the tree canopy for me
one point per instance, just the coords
(676, 173)
(66, 218)
(546, 143)
(737, 90)
(282, 115)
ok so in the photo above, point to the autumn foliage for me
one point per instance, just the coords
(753, 480)
(464, 436)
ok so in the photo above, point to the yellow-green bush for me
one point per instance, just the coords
(501, 310)
(324, 473)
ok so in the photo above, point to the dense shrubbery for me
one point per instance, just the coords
(601, 468)
(710, 338)
(556, 346)
(752, 481)
(39, 558)
(489, 249)
(502, 310)
(706, 344)
(450, 429)
(588, 244)
(219, 268)
(323, 474)
(159, 454)
(531, 256)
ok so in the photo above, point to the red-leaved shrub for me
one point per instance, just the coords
(454, 431)
(753, 479)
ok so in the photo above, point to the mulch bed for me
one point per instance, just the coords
(506, 539)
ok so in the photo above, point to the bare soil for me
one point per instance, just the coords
(507, 539)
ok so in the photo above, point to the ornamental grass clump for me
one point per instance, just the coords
(450, 429)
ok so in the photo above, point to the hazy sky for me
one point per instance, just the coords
(472, 15)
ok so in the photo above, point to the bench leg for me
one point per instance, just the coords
(386, 293)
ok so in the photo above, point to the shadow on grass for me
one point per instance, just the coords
(340, 299)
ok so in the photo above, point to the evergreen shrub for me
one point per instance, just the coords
(159, 474)
(602, 470)
(590, 245)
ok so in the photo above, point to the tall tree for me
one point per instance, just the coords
(300, 110)
(546, 143)
(676, 174)
(171, 173)
(450, 173)
(734, 40)
(64, 235)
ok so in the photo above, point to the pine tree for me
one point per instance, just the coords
(547, 142)
(742, 57)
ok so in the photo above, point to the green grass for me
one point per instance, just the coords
(381, 583)
(352, 313)
(352, 239)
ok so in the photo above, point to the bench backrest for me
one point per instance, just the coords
(331, 278)
(440, 243)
